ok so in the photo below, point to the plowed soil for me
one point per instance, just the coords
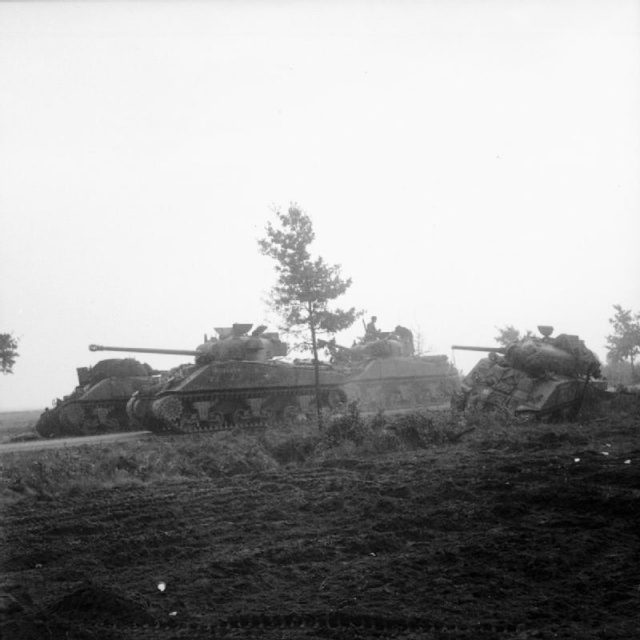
(451, 542)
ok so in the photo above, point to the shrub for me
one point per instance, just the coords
(292, 450)
(350, 426)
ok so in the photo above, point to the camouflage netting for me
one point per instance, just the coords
(502, 385)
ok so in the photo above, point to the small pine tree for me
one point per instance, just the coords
(305, 286)
(507, 335)
(624, 343)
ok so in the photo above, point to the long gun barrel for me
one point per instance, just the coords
(332, 345)
(485, 349)
(171, 352)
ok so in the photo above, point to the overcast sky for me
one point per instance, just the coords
(470, 165)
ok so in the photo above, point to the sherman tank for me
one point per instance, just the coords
(235, 381)
(98, 404)
(531, 378)
(383, 373)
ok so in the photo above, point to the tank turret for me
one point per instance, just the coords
(386, 344)
(384, 374)
(532, 376)
(233, 343)
(565, 354)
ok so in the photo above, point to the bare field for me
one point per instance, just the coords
(18, 423)
(427, 530)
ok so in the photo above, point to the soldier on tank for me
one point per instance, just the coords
(371, 331)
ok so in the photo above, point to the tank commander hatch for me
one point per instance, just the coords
(406, 336)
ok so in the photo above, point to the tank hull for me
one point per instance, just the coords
(98, 404)
(223, 395)
(402, 384)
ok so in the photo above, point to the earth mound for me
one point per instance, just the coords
(96, 604)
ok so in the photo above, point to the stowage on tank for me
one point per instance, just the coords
(235, 380)
(383, 373)
(531, 378)
(98, 404)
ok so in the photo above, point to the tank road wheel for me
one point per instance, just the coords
(327, 414)
(268, 418)
(241, 417)
(72, 417)
(374, 398)
(189, 422)
(90, 426)
(334, 403)
(337, 401)
(215, 420)
(392, 398)
(290, 415)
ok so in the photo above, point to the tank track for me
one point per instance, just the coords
(556, 413)
(77, 418)
(185, 413)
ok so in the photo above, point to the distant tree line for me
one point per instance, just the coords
(508, 334)
(8, 352)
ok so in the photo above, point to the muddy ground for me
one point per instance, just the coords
(538, 539)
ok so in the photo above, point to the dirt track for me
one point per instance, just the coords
(61, 443)
(420, 545)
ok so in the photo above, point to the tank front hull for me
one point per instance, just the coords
(514, 392)
(100, 408)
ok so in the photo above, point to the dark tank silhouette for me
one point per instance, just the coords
(98, 404)
(531, 378)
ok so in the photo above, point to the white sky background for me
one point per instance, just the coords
(470, 165)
